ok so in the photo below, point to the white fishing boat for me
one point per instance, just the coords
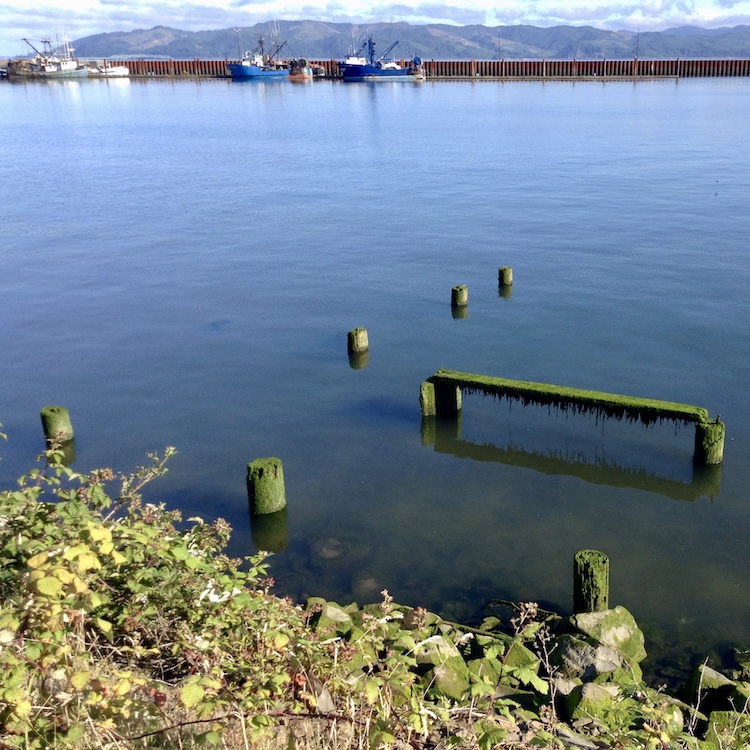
(52, 61)
(107, 70)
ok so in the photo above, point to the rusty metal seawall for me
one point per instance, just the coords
(488, 69)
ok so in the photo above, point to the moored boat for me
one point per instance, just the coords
(259, 63)
(107, 70)
(300, 69)
(50, 62)
(357, 68)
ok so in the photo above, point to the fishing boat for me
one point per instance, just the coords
(300, 69)
(358, 68)
(107, 70)
(259, 63)
(52, 61)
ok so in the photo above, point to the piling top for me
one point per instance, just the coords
(611, 404)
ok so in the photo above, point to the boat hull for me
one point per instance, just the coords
(19, 71)
(300, 70)
(358, 73)
(254, 72)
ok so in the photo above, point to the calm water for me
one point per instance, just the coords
(180, 263)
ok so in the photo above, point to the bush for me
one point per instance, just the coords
(118, 621)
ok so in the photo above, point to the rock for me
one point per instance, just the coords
(711, 691)
(330, 618)
(576, 658)
(594, 701)
(323, 550)
(365, 586)
(572, 739)
(613, 627)
(728, 729)
(564, 685)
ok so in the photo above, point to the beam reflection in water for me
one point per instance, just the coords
(444, 435)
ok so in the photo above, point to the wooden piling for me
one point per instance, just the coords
(590, 581)
(459, 296)
(56, 424)
(505, 276)
(427, 399)
(709, 442)
(358, 340)
(265, 486)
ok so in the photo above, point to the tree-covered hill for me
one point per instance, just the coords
(319, 40)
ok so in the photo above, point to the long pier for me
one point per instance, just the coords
(487, 69)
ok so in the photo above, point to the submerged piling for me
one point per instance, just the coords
(590, 581)
(265, 486)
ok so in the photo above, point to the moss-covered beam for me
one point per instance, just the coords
(609, 404)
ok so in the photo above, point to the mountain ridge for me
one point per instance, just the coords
(320, 40)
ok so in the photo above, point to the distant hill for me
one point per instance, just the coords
(319, 40)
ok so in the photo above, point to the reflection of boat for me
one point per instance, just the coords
(300, 70)
(356, 68)
(106, 70)
(49, 62)
(259, 63)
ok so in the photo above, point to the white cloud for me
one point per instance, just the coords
(79, 18)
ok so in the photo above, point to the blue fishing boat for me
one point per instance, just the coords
(357, 68)
(259, 63)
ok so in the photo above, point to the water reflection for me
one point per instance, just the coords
(444, 434)
(270, 531)
(68, 450)
(359, 360)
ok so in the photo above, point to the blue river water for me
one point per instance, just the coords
(181, 261)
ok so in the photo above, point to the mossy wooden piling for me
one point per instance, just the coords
(56, 424)
(709, 442)
(265, 486)
(505, 276)
(460, 295)
(590, 581)
(449, 384)
(358, 340)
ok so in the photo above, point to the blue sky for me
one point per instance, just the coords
(78, 18)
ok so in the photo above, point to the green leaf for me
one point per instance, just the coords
(180, 553)
(80, 680)
(38, 560)
(491, 738)
(372, 690)
(530, 677)
(192, 694)
(105, 626)
(48, 586)
(75, 734)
